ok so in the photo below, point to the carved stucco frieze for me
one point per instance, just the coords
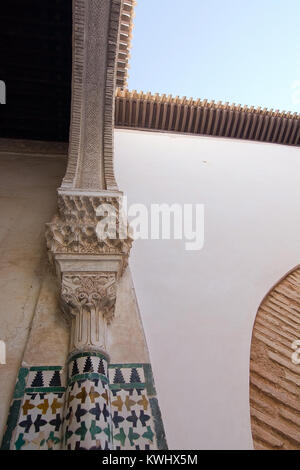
(96, 25)
(89, 300)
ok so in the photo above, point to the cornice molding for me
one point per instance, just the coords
(33, 148)
(173, 114)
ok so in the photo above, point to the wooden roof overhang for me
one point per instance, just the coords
(173, 114)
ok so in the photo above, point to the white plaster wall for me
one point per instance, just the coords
(198, 308)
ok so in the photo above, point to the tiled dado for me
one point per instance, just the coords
(131, 410)
(36, 414)
(127, 418)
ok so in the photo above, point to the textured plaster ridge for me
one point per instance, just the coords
(274, 379)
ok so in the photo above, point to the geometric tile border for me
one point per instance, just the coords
(36, 414)
(136, 415)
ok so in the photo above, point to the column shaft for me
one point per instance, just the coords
(88, 424)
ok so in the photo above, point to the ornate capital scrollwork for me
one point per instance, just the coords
(90, 301)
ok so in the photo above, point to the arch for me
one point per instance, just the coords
(275, 369)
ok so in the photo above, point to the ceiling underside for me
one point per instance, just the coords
(35, 64)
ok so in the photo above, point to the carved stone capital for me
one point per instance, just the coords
(89, 300)
(74, 229)
(87, 265)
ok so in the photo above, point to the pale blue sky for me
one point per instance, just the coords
(241, 51)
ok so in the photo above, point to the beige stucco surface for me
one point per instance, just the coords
(27, 202)
(126, 340)
(49, 335)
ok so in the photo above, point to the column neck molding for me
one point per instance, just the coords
(89, 300)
